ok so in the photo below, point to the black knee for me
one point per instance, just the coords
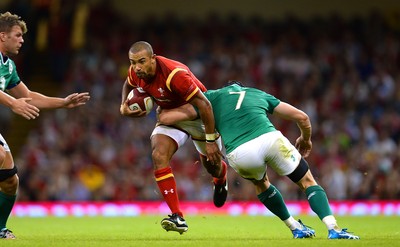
(7, 173)
(300, 171)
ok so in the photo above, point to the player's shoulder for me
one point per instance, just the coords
(171, 64)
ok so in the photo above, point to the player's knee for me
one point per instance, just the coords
(306, 181)
(300, 171)
(9, 186)
(160, 159)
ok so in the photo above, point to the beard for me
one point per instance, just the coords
(143, 76)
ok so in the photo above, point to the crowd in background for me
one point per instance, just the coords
(344, 73)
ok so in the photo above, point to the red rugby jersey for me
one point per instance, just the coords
(173, 84)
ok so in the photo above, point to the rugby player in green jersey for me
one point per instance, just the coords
(253, 143)
(16, 95)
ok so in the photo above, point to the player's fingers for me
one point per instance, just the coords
(33, 114)
(29, 115)
(33, 110)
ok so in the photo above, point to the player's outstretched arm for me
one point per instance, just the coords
(45, 102)
(289, 112)
(42, 101)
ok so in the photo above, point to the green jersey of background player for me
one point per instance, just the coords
(253, 143)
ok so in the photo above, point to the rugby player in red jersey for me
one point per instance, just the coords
(172, 84)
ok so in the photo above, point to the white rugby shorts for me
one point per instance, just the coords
(273, 149)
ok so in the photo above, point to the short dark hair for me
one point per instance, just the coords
(231, 82)
(140, 46)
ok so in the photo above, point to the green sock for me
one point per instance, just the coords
(318, 201)
(273, 200)
(6, 205)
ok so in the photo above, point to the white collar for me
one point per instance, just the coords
(2, 59)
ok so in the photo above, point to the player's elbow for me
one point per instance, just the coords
(303, 120)
(302, 117)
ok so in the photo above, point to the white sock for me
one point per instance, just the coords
(292, 223)
(330, 222)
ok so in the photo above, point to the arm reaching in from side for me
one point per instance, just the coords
(42, 101)
(172, 116)
(289, 112)
(28, 103)
(207, 117)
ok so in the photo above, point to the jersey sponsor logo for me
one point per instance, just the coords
(311, 195)
(2, 83)
(180, 222)
(161, 91)
(10, 68)
(272, 194)
(169, 191)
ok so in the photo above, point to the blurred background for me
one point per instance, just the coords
(339, 61)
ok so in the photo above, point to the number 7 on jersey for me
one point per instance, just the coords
(240, 100)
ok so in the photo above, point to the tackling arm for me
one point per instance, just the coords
(207, 116)
(205, 111)
(172, 116)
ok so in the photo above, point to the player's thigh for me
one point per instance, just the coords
(6, 159)
(194, 128)
(272, 149)
(165, 141)
(283, 157)
(248, 160)
(177, 136)
(8, 173)
(8, 162)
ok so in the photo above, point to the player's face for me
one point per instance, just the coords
(143, 64)
(12, 41)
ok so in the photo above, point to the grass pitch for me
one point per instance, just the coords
(207, 230)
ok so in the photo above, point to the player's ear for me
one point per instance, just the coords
(2, 36)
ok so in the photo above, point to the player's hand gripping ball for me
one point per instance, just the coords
(138, 99)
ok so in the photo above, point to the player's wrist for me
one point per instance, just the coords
(211, 137)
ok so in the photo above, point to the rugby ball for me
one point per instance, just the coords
(138, 99)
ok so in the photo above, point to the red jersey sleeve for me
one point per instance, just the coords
(181, 82)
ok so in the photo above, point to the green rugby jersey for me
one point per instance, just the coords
(8, 73)
(241, 113)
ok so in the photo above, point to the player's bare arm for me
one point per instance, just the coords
(289, 112)
(172, 116)
(45, 102)
(206, 114)
(19, 106)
